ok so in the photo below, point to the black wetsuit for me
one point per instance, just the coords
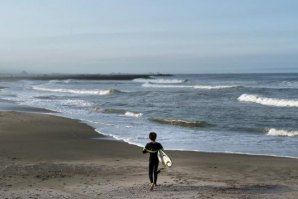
(152, 148)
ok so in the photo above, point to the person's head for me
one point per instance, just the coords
(152, 136)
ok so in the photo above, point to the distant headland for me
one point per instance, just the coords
(78, 76)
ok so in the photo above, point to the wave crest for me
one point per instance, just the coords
(183, 123)
(160, 81)
(284, 133)
(77, 91)
(202, 87)
(122, 112)
(57, 81)
(114, 111)
(214, 87)
(268, 101)
(133, 114)
(148, 84)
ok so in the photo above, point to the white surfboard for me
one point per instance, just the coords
(164, 159)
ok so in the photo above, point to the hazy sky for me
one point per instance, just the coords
(172, 36)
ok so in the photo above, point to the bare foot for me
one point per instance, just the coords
(152, 186)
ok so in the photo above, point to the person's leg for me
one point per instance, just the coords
(155, 172)
(151, 166)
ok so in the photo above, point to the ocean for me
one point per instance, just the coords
(230, 113)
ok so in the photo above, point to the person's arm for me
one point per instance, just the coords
(145, 150)
(160, 147)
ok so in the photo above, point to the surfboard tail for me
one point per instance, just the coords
(164, 159)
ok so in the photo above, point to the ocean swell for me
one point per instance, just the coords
(77, 103)
(268, 101)
(114, 111)
(183, 123)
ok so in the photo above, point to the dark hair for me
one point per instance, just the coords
(152, 136)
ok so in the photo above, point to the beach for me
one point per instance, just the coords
(45, 156)
(86, 86)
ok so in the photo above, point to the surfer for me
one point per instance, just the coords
(152, 148)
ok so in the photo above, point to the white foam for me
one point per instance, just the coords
(54, 81)
(288, 84)
(127, 140)
(78, 103)
(67, 81)
(268, 101)
(76, 91)
(160, 81)
(281, 132)
(202, 87)
(132, 114)
(148, 84)
(214, 87)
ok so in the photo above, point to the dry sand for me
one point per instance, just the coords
(43, 156)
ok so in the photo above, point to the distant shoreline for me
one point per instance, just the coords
(79, 76)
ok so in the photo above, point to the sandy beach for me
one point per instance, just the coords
(44, 156)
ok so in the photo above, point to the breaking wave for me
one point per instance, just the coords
(160, 81)
(77, 91)
(133, 114)
(148, 84)
(280, 132)
(122, 112)
(203, 87)
(183, 123)
(66, 81)
(214, 87)
(268, 101)
(288, 84)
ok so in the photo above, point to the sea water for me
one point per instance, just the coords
(233, 113)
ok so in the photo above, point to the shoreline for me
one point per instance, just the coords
(7, 107)
(182, 150)
(47, 156)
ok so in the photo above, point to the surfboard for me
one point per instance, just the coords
(164, 159)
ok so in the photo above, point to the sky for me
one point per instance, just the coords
(142, 36)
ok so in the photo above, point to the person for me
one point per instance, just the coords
(152, 148)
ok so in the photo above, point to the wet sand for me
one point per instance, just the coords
(43, 156)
